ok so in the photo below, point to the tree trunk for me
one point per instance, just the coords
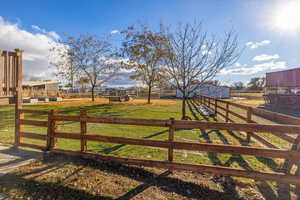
(93, 94)
(183, 111)
(149, 94)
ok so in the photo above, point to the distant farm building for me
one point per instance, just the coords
(210, 90)
(283, 87)
(40, 88)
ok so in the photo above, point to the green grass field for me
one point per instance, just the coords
(159, 109)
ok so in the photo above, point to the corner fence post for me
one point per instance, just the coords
(249, 119)
(18, 96)
(171, 140)
(52, 127)
(83, 129)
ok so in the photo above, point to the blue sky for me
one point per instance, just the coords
(270, 37)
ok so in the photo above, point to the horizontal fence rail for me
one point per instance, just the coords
(83, 136)
(223, 108)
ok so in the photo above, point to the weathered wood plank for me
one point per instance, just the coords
(218, 148)
(124, 121)
(281, 129)
(33, 135)
(83, 129)
(41, 112)
(34, 122)
(276, 116)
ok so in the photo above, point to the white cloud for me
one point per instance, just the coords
(265, 57)
(254, 45)
(35, 45)
(255, 68)
(237, 64)
(54, 35)
(50, 33)
(34, 27)
(114, 32)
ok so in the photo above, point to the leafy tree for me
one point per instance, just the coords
(143, 48)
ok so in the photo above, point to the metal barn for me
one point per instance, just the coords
(283, 88)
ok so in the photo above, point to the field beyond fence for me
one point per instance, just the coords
(287, 174)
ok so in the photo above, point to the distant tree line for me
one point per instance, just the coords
(156, 57)
(256, 83)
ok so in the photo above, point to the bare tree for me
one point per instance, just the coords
(143, 47)
(256, 83)
(238, 85)
(194, 56)
(84, 82)
(92, 58)
(65, 70)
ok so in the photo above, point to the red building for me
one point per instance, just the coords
(283, 87)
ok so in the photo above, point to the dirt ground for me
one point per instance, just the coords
(63, 177)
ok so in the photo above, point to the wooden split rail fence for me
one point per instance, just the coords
(83, 136)
(227, 110)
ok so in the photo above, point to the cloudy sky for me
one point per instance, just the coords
(269, 30)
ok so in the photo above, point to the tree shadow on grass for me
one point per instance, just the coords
(283, 190)
(242, 141)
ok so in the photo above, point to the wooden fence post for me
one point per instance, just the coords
(52, 127)
(18, 96)
(216, 107)
(171, 139)
(18, 127)
(227, 113)
(83, 129)
(249, 119)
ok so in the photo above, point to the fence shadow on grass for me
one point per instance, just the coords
(283, 190)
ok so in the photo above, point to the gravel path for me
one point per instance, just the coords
(11, 158)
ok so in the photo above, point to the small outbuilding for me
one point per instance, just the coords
(40, 88)
(210, 90)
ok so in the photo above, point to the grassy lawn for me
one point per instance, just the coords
(159, 109)
(249, 94)
(80, 178)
